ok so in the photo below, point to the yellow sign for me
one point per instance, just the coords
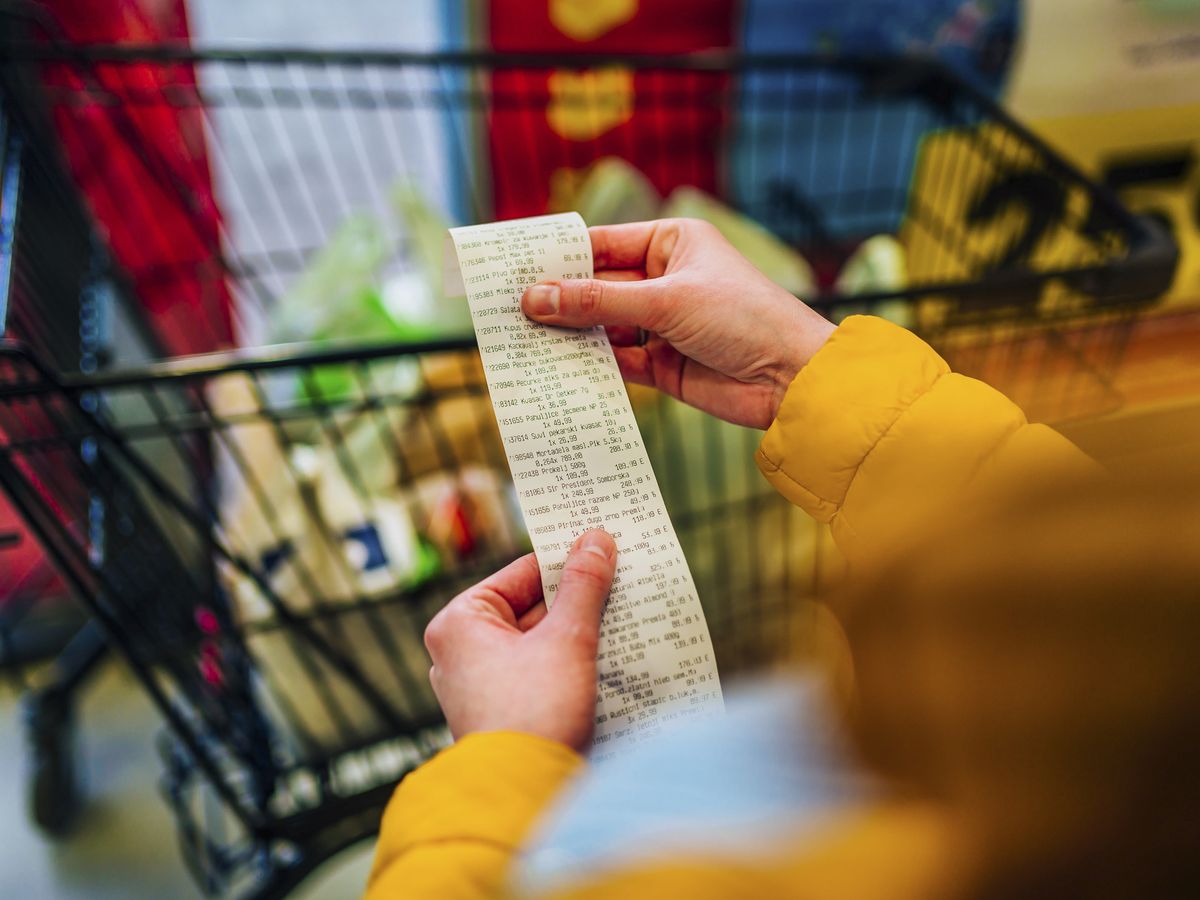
(584, 105)
(586, 20)
(1151, 159)
(981, 208)
(1114, 85)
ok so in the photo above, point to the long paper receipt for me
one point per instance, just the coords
(578, 462)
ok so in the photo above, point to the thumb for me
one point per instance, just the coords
(580, 303)
(582, 590)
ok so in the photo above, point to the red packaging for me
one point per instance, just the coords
(545, 127)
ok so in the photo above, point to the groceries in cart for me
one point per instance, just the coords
(368, 476)
(346, 486)
(340, 516)
(353, 288)
(613, 191)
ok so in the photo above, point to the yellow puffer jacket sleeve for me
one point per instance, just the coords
(876, 436)
(452, 826)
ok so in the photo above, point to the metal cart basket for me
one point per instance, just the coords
(263, 534)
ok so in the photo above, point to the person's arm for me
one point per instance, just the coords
(875, 434)
(877, 437)
(518, 686)
(452, 826)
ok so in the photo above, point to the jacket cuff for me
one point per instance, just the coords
(487, 788)
(839, 406)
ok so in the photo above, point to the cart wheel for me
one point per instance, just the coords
(54, 794)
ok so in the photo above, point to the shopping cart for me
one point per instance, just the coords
(263, 534)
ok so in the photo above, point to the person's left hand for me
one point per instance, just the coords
(502, 662)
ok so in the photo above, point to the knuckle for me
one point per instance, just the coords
(435, 633)
(432, 637)
(579, 636)
(700, 229)
(688, 223)
(591, 296)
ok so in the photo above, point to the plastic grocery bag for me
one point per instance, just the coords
(368, 285)
(414, 295)
(337, 294)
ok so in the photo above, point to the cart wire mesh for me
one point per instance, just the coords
(265, 533)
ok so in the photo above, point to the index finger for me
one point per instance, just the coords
(622, 246)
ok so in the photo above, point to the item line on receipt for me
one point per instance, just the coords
(578, 462)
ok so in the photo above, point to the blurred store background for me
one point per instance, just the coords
(325, 187)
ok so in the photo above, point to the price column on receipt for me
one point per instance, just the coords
(578, 462)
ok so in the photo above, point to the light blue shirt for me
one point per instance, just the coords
(775, 764)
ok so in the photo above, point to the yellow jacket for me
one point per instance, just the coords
(876, 437)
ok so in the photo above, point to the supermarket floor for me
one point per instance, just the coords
(124, 843)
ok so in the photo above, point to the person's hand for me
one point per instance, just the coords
(502, 662)
(722, 336)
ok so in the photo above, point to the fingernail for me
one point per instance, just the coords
(542, 300)
(597, 542)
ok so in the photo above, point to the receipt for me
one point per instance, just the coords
(578, 462)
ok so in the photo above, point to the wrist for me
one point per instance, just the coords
(798, 348)
(567, 724)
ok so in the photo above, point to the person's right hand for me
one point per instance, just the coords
(722, 336)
